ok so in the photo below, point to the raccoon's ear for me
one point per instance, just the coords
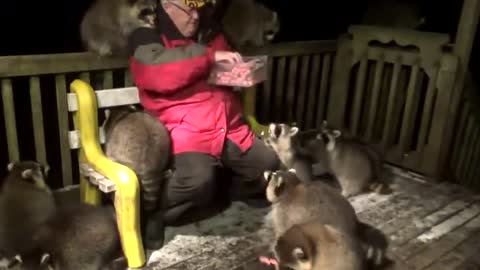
(267, 175)
(336, 133)
(10, 166)
(27, 174)
(292, 170)
(46, 170)
(293, 131)
(299, 254)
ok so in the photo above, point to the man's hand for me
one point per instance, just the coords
(231, 57)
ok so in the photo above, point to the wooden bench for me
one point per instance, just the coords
(99, 174)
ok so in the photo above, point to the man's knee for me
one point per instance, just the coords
(194, 180)
(203, 185)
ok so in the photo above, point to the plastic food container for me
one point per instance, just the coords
(251, 71)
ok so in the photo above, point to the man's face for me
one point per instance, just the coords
(185, 18)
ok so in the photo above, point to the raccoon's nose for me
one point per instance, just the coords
(278, 131)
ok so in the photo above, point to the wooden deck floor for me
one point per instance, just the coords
(431, 227)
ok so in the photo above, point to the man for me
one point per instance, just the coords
(205, 122)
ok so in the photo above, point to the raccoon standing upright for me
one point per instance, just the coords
(357, 168)
(26, 202)
(282, 138)
(107, 23)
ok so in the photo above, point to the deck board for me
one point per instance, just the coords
(430, 226)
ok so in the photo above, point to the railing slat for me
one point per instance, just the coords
(312, 93)
(473, 159)
(466, 146)
(392, 95)
(84, 76)
(63, 129)
(291, 88)
(459, 138)
(355, 114)
(107, 79)
(324, 82)
(409, 107)
(469, 152)
(372, 112)
(37, 118)
(302, 91)
(10, 120)
(127, 78)
(279, 84)
(267, 90)
(427, 110)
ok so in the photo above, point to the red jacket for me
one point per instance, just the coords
(171, 77)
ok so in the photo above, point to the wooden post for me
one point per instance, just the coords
(465, 36)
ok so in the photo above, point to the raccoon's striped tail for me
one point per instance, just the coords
(380, 188)
(375, 245)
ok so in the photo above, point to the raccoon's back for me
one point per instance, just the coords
(140, 142)
(101, 16)
(80, 235)
(317, 202)
(351, 160)
(22, 212)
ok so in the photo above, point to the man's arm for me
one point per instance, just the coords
(163, 70)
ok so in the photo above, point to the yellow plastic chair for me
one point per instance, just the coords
(127, 193)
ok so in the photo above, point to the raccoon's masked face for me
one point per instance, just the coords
(280, 137)
(329, 137)
(32, 173)
(269, 22)
(144, 11)
(278, 181)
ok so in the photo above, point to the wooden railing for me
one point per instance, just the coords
(299, 79)
(464, 161)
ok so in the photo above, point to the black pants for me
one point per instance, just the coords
(193, 185)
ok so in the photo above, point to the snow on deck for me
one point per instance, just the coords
(430, 226)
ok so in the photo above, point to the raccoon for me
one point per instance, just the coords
(317, 246)
(26, 202)
(356, 166)
(105, 27)
(295, 202)
(248, 23)
(79, 237)
(282, 138)
(139, 141)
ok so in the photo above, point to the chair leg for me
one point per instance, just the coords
(89, 193)
(127, 207)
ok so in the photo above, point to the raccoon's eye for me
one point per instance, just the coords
(146, 12)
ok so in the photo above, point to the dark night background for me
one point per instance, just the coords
(43, 27)
(40, 27)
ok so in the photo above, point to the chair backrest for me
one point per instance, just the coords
(106, 98)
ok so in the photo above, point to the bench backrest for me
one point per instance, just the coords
(106, 98)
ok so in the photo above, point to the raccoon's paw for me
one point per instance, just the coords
(102, 49)
(380, 188)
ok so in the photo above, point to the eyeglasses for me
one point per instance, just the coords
(190, 11)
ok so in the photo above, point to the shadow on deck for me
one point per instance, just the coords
(430, 226)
